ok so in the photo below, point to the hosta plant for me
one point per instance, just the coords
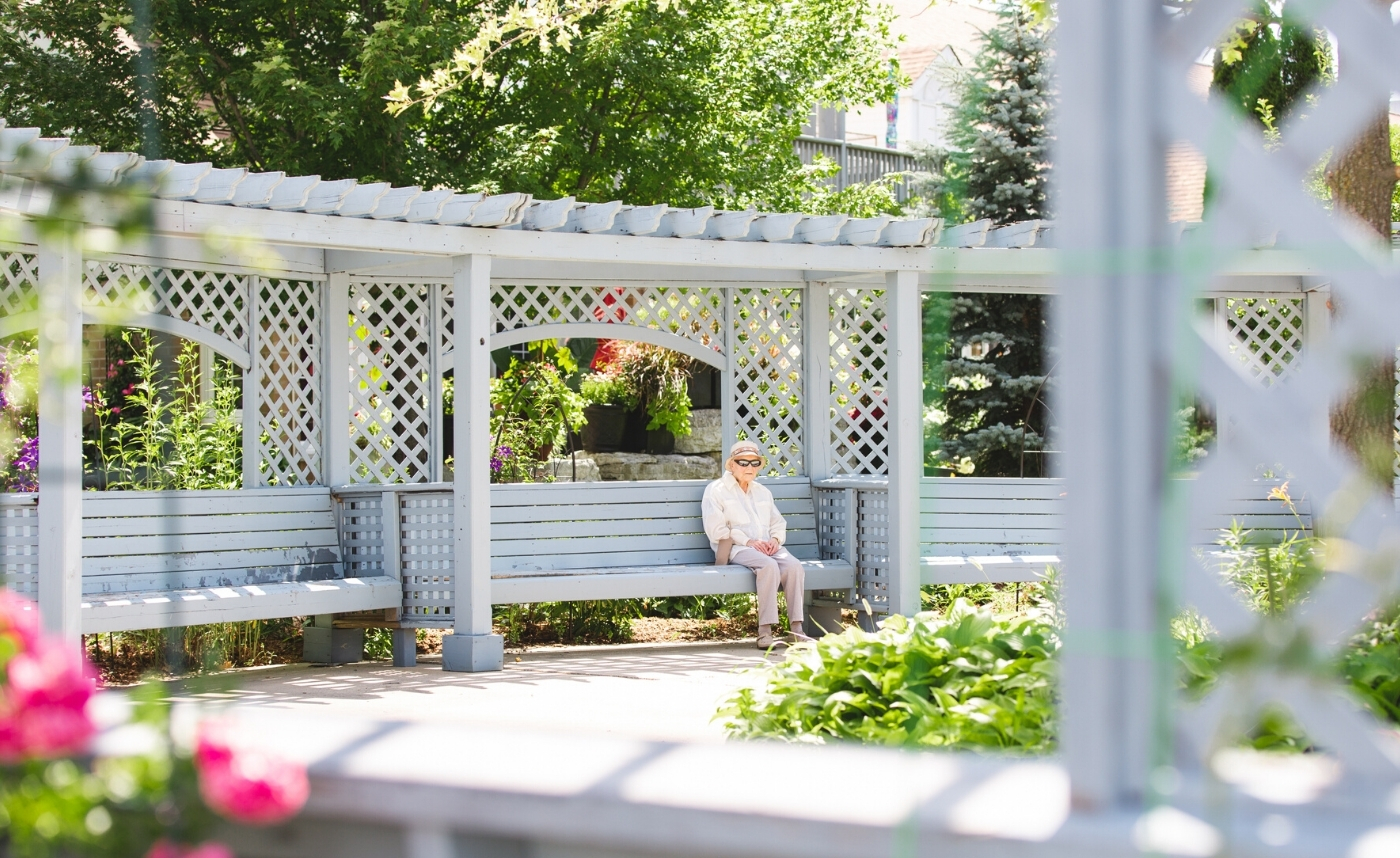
(967, 679)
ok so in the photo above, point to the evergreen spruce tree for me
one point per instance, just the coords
(985, 352)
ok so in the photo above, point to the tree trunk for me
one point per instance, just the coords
(1362, 182)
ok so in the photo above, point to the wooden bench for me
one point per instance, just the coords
(1003, 530)
(630, 540)
(167, 559)
(560, 542)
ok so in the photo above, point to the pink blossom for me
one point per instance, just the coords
(247, 785)
(43, 712)
(163, 848)
(20, 617)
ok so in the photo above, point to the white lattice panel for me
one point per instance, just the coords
(1292, 655)
(856, 424)
(213, 301)
(286, 363)
(19, 272)
(426, 537)
(1264, 334)
(872, 552)
(362, 535)
(391, 389)
(695, 313)
(766, 375)
(19, 547)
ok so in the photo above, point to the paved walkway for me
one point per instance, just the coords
(665, 692)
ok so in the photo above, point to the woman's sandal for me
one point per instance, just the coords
(796, 637)
(766, 642)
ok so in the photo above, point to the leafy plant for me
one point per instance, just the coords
(969, 679)
(656, 379)
(532, 410)
(158, 434)
(606, 387)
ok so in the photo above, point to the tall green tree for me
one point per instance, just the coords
(687, 102)
(985, 362)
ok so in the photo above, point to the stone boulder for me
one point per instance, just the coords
(645, 466)
(706, 433)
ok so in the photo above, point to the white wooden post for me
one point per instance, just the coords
(816, 367)
(1113, 322)
(337, 377)
(904, 415)
(471, 647)
(252, 385)
(729, 432)
(61, 433)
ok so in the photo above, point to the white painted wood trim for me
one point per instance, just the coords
(123, 317)
(335, 376)
(471, 324)
(690, 348)
(393, 535)
(816, 366)
(61, 433)
(728, 431)
(904, 345)
(435, 371)
(251, 454)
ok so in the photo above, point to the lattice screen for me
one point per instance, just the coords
(19, 545)
(859, 374)
(213, 301)
(767, 377)
(362, 535)
(1265, 334)
(392, 389)
(426, 537)
(18, 274)
(286, 365)
(696, 313)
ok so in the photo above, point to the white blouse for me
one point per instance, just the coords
(729, 512)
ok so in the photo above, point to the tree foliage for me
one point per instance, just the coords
(687, 102)
(985, 364)
(1269, 63)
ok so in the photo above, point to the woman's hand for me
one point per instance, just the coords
(767, 546)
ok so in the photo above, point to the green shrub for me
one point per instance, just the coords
(968, 680)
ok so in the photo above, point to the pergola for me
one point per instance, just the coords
(341, 302)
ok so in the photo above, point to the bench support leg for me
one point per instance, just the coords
(323, 644)
(822, 619)
(472, 653)
(405, 647)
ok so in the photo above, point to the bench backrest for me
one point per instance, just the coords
(144, 541)
(565, 526)
(989, 516)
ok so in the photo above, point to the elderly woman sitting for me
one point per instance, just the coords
(739, 511)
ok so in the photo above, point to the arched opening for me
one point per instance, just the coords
(162, 411)
(579, 408)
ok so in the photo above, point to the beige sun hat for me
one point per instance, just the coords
(741, 447)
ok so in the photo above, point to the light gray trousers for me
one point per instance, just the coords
(781, 568)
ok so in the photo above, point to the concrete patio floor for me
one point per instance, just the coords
(643, 691)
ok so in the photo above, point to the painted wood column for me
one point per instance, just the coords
(252, 389)
(1114, 323)
(337, 377)
(905, 404)
(471, 647)
(61, 432)
(816, 369)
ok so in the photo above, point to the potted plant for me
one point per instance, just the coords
(605, 414)
(533, 409)
(659, 380)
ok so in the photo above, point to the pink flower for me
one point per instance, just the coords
(245, 784)
(43, 712)
(163, 848)
(20, 617)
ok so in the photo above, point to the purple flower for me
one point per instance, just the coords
(88, 397)
(504, 452)
(27, 463)
(496, 465)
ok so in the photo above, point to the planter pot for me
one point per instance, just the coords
(603, 431)
(660, 442)
(634, 435)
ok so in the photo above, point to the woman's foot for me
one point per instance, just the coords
(767, 641)
(796, 637)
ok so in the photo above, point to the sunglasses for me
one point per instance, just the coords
(748, 463)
